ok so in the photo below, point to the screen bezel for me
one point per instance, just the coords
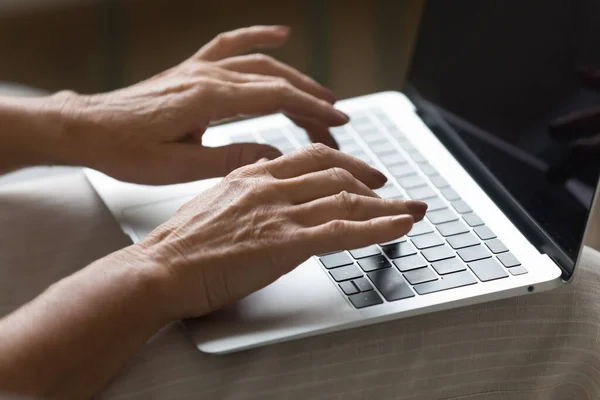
(496, 190)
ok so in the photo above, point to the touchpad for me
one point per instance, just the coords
(141, 220)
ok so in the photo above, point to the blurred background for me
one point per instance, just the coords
(354, 46)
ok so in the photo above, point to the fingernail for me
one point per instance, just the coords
(331, 98)
(381, 178)
(416, 208)
(342, 116)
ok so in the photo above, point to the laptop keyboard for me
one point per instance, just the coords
(450, 248)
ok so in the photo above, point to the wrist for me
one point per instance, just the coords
(34, 130)
(150, 283)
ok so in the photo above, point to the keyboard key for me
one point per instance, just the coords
(520, 270)
(392, 159)
(420, 228)
(371, 136)
(428, 169)
(365, 252)
(272, 135)
(363, 284)
(435, 203)
(398, 250)
(335, 260)
(244, 138)
(461, 207)
(366, 299)
(450, 194)
(350, 148)
(409, 263)
(382, 148)
(452, 228)
(439, 182)
(463, 240)
(422, 275)
(487, 270)
(496, 246)
(418, 157)
(441, 216)
(449, 266)
(484, 232)
(450, 281)
(408, 147)
(388, 191)
(391, 284)
(399, 171)
(508, 260)
(410, 182)
(472, 219)
(473, 253)
(361, 155)
(421, 193)
(345, 273)
(426, 241)
(348, 287)
(373, 263)
(437, 253)
(402, 239)
(361, 122)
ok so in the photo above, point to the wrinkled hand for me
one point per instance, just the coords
(580, 132)
(151, 132)
(263, 220)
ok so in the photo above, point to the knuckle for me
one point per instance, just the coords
(224, 38)
(262, 59)
(283, 87)
(280, 80)
(347, 201)
(318, 150)
(342, 175)
(338, 227)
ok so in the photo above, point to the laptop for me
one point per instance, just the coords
(499, 223)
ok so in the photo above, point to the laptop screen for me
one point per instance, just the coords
(520, 83)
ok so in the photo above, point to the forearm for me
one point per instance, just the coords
(70, 340)
(32, 131)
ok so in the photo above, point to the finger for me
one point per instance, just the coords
(318, 157)
(576, 125)
(325, 183)
(232, 43)
(260, 98)
(260, 64)
(193, 162)
(352, 207)
(341, 234)
(316, 132)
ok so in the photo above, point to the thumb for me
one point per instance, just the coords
(220, 161)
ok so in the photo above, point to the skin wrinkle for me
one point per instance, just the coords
(235, 238)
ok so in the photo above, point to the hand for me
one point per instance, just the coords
(151, 132)
(263, 220)
(580, 132)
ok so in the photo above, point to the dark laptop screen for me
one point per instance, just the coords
(520, 83)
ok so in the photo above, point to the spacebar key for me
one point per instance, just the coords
(449, 281)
